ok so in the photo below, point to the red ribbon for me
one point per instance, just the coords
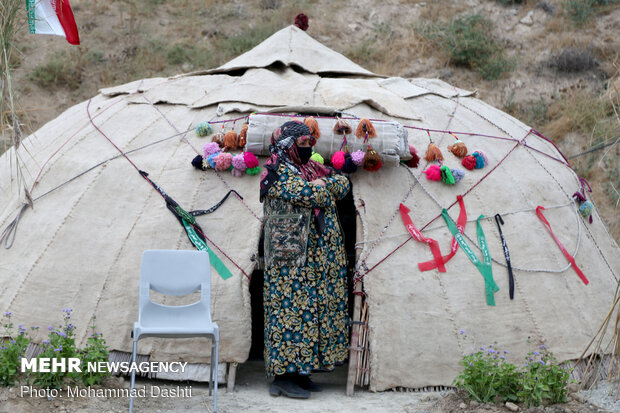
(460, 225)
(417, 235)
(569, 257)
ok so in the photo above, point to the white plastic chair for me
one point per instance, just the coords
(173, 272)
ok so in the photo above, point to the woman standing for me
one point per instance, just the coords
(305, 291)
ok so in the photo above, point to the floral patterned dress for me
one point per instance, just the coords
(306, 316)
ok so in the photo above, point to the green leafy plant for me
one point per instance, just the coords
(96, 350)
(12, 349)
(488, 375)
(580, 11)
(542, 379)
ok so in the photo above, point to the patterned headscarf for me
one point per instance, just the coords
(283, 149)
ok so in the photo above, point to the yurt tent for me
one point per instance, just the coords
(77, 215)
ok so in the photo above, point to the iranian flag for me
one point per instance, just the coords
(52, 17)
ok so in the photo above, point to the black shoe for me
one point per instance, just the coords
(289, 388)
(305, 383)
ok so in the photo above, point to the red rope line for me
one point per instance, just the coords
(153, 185)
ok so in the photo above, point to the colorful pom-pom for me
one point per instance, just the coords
(433, 173)
(238, 162)
(210, 148)
(211, 159)
(230, 140)
(585, 209)
(219, 139)
(243, 136)
(479, 160)
(197, 163)
(223, 161)
(458, 149)
(253, 171)
(316, 157)
(469, 162)
(250, 160)
(458, 174)
(372, 160)
(301, 21)
(338, 160)
(314, 126)
(358, 157)
(365, 128)
(446, 175)
(415, 159)
(203, 129)
(433, 153)
(342, 127)
(349, 166)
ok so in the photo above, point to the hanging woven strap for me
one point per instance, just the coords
(462, 221)
(417, 235)
(569, 257)
(189, 223)
(511, 280)
(484, 267)
(200, 244)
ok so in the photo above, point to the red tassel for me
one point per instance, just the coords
(433, 173)
(365, 127)
(415, 159)
(469, 162)
(314, 126)
(338, 160)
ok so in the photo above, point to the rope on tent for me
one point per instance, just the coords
(170, 203)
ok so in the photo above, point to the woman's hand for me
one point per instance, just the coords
(319, 182)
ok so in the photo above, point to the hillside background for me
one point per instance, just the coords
(553, 64)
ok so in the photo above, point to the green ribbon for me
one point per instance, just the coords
(216, 262)
(483, 267)
(185, 215)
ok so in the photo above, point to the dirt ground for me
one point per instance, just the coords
(251, 395)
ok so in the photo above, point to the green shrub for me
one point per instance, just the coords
(96, 350)
(469, 42)
(58, 71)
(488, 377)
(11, 351)
(580, 11)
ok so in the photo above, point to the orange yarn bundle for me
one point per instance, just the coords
(458, 149)
(365, 128)
(314, 126)
(433, 153)
(219, 139)
(243, 136)
(230, 140)
(342, 127)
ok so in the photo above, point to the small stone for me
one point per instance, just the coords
(573, 387)
(512, 407)
(528, 20)
(578, 397)
(462, 406)
(473, 403)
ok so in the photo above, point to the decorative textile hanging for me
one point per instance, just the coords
(417, 235)
(511, 280)
(569, 257)
(460, 224)
(484, 267)
(193, 230)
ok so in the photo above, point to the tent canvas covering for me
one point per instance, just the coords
(80, 245)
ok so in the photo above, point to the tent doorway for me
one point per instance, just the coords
(347, 215)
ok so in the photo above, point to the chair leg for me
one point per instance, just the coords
(133, 373)
(216, 340)
(211, 369)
